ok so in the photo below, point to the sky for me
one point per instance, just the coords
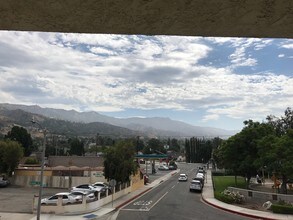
(203, 81)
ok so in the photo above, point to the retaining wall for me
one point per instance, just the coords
(262, 196)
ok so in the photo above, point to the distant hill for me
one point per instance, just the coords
(156, 126)
(8, 118)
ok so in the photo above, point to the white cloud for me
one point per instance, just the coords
(116, 72)
(240, 58)
(210, 117)
(281, 55)
(288, 46)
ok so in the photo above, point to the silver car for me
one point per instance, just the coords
(182, 177)
(79, 194)
(85, 188)
(66, 199)
(195, 185)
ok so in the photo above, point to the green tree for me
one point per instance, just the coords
(174, 145)
(282, 124)
(119, 162)
(10, 154)
(240, 152)
(187, 150)
(276, 153)
(76, 147)
(155, 145)
(21, 135)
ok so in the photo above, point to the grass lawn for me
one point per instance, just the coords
(222, 182)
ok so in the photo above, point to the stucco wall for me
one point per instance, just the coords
(262, 197)
(79, 208)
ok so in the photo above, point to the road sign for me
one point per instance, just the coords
(112, 183)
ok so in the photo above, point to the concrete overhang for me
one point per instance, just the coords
(218, 18)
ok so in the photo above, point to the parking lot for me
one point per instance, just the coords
(20, 199)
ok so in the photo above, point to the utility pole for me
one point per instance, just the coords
(42, 169)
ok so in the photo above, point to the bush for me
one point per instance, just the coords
(224, 198)
(31, 160)
(236, 197)
(218, 173)
(282, 209)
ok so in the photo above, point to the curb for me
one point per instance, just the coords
(143, 192)
(238, 213)
(133, 198)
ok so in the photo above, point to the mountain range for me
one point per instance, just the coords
(87, 122)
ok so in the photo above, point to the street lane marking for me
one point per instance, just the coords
(133, 210)
(173, 186)
(158, 200)
(143, 203)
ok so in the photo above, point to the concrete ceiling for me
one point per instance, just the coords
(225, 18)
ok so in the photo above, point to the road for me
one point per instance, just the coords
(172, 200)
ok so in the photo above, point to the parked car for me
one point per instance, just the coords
(182, 177)
(163, 167)
(85, 188)
(79, 194)
(200, 171)
(172, 167)
(200, 175)
(103, 186)
(195, 185)
(201, 179)
(4, 182)
(66, 199)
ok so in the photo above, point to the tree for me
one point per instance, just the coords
(10, 154)
(174, 145)
(240, 152)
(76, 147)
(276, 153)
(119, 162)
(154, 145)
(21, 135)
(281, 125)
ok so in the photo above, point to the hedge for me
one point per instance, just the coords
(224, 198)
(282, 209)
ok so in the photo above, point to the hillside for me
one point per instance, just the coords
(8, 118)
(155, 126)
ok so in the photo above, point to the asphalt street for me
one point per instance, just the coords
(172, 200)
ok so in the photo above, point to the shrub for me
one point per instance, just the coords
(31, 160)
(224, 198)
(218, 173)
(282, 209)
(236, 197)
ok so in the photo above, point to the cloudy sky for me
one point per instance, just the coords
(217, 82)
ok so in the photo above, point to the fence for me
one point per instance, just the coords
(84, 206)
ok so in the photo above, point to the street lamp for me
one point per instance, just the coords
(42, 169)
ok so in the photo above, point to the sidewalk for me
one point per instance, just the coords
(208, 197)
(104, 210)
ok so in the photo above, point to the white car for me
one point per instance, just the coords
(182, 177)
(195, 185)
(163, 167)
(79, 194)
(85, 188)
(103, 186)
(66, 199)
(201, 175)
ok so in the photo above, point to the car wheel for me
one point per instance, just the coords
(43, 203)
